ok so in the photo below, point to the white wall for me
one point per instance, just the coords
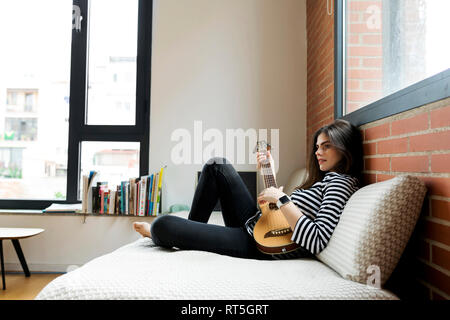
(229, 63)
(66, 240)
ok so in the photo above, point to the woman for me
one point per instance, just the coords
(313, 210)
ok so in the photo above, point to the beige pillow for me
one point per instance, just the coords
(374, 229)
(297, 178)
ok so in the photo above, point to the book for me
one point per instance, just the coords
(148, 198)
(95, 190)
(102, 200)
(125, 205)
(138, 202)
(158, 200)
(137, 198)
(150, 202)
(127, 198)
(147, 190)
(154, 191)
(63, 208)
(122, 198)
(117, 204)
(143, 188)
(132, 195)
(112, 201)
(106, 209)
(86, 192)
(136, 195)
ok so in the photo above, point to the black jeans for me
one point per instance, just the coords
(218, 180)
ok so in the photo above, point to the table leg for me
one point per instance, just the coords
(21, 256)
(3, 265)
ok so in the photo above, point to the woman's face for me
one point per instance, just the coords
(326, 154)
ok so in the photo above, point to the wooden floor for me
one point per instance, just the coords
(19, 287)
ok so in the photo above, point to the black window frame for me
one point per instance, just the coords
(79, 131)
(426, 91)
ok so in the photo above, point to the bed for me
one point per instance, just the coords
(141, 270)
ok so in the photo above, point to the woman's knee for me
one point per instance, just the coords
(217, 160)
(160, 230)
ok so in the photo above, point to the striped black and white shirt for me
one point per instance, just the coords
(321, 205)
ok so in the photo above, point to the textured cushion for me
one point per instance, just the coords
(374, 229)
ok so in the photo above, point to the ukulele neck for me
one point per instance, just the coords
(267, 173)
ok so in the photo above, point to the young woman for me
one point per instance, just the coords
(334, 174)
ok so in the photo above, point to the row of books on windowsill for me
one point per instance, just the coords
(137, 196)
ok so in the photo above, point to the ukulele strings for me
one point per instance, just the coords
(269, 181)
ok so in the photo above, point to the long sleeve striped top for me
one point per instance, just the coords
(321, 205)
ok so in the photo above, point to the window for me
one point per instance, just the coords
(112, 56)
(390, 56)
(21, 129)
(21, 100)
(114, 161)
(74, 96)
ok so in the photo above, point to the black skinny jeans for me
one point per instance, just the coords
(218, 180)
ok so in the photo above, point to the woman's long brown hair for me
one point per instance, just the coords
(347, 139)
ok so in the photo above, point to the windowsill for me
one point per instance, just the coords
(40, 213)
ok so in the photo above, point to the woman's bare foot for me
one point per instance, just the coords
(143, 228)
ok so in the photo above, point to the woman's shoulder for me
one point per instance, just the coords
(343, 179)
(333, 179)
(335, 175)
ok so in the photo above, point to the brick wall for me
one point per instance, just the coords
(416, 142)
(364, 53)
(320, 61)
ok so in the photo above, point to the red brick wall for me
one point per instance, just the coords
(416, 142)
(320, 61)
(364, 53)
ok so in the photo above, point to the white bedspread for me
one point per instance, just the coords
(141, 270)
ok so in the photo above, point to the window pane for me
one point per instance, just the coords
(112, 62)
(34, 95)
(391, 45)
(113, 161)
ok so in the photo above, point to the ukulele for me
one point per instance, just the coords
(272, 232)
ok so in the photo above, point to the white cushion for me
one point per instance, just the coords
(374, 229)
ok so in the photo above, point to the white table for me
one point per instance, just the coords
(14, 234)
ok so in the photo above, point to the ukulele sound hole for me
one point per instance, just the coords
(277, 233)
(273, 206)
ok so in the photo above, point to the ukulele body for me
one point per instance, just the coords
(272, 233)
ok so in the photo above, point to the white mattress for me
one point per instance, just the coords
(141, 270)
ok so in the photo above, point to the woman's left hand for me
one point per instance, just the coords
(270, 195)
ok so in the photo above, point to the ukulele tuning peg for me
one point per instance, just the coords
(262, 145)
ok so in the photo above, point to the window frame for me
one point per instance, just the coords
(426, 91)
(78, 130)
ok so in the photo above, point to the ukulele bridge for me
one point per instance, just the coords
(277, 233)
